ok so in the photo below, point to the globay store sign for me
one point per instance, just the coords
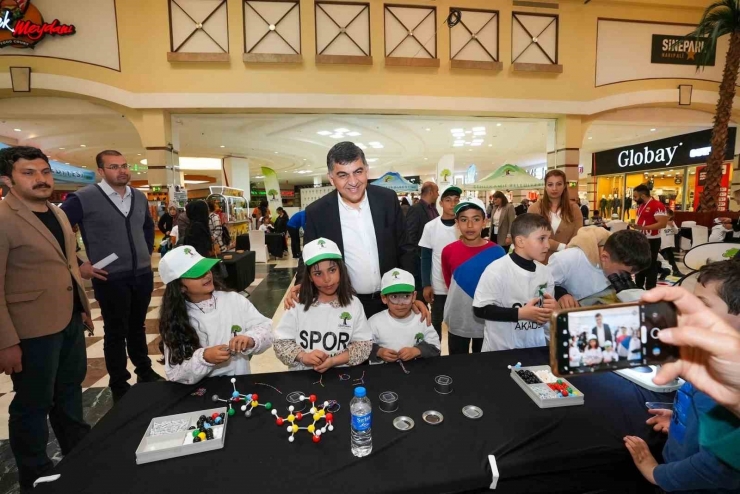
(23, 26)
(687, 149)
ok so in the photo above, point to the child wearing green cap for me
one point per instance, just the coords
(205, 331)
(397, 333)
(327, 327)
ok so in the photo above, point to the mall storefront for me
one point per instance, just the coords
(673, 166)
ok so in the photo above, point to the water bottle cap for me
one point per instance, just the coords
(360, 392)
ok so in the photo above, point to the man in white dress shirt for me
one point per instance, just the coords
(366, 222)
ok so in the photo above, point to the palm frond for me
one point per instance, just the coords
(719, 19)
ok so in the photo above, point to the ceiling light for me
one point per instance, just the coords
(468, 131)
(459, 141)
(144, 162)
(17, 130)
(199, 163)
(341, 130)
(83, 166)
(426, 159)
(304, 159)
(469, 149)
(138, 154)
(428, 129)
(375, 145)
(353, 134)
(479, 133)
(337, 136)
(82, 146)
(590, 138)
(457, 131)
(652, 130)
(138, 173)
(61, 148)
(498, 125)
(194, 182)
(276, 152)
(476, 144)
(324, 133)
(478, 140)
(490, 145)
(479, 129)
(360, 145)
(260, 176)
(458, 144)
(223, 146)
(66, 163)
(372, 160)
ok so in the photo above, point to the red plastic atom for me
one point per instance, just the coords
(312, 398)
(316, 439)
(298, 416)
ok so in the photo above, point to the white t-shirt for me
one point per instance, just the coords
(437, 236)
(394, 334)
(325, 327)
(175, 232)
(592, 356)
(574, 356)
(610, 356)
(555, 220)
(571, 269)
(505, 284)
(496, 220)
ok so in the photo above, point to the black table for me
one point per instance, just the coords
(240, 268)
(571, 449)
(275, 244)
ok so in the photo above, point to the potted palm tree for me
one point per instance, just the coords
(720, 18)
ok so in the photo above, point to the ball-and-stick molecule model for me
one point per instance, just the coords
(250, 401)
(317, 413)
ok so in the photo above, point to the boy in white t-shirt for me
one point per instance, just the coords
(515, 293)
(608, 353)
(438, 234)
(397, 333)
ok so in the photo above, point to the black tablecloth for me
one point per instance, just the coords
(242, 242)
(240, 268)
(275, 244)
(570, 449)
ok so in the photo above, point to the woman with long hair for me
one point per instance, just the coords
(502, 216)
(205, 331)
(563, 214)
(198, 233)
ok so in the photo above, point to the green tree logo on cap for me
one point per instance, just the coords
(188, 251)
(321, 243)
(345, 316)
(395, 274)
(419, 338)
(730, 253)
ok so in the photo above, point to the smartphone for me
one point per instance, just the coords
(608, 338)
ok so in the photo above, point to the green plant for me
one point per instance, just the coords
(719, 19)
(345, 316)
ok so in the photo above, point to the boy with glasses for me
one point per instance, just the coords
(398, 334)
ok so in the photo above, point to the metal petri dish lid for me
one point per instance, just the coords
(443, 380)
(432, 417)
(472, 412)
(388, 397)
(403, 423)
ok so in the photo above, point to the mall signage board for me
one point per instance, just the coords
(22, 25)
(678, 50)
(687, 149)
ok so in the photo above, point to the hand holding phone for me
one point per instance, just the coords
(532, 312)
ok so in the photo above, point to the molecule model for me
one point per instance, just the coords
(250, 401)
(204, 429)
(316, 413)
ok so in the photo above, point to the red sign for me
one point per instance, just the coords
(22, 25)
(701, 176)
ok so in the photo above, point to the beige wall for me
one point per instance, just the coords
(144, 43)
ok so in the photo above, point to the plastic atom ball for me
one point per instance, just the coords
(290, 428)
(303, 397)
(244, 408)
(316, 417)
(299, 416)
(268, 405)
(319, 432)
(291, 439)
(295, 428)
(291, 417)
(214, 416)
(329, 417)
(233, 380)
(274, 412)
(312, 398)
(279, 421)
(196, 432)
(326, 404)
(331, 427)
(311, 428)
(202, 436)
(254, 397)
(290, 408)
(231, 412)
(316, 439)
(235, 394)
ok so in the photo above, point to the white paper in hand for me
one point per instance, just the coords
(101, 264)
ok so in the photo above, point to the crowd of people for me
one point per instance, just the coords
(367, 275)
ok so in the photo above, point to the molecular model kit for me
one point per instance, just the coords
(546, 389)
(250, 401)
(317, 413)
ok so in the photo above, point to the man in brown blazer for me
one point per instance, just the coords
(43, 314)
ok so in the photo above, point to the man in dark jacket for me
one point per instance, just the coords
(417, 217)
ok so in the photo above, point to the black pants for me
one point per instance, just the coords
(668, 256)
(50, 384)
(295, 242)
(459, 345)
(372, 304)
(124, 304)
(648, 278)
(438, 312)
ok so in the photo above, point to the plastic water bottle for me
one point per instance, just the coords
(362, 417)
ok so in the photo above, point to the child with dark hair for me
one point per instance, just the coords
(689, 466)
(597, 267)
(514, 294)
(205, 331)
(463, 262)
(327, 327)
(198, 232)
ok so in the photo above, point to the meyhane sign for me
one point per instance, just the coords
(23, 26)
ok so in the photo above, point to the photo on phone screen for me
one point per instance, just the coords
(611, 338)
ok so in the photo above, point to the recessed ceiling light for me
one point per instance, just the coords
(259, 176)
(138, 173)
(372, 160)
(138, 154)
(83, 166)
(324, 133)
(457, 131)
(469, 149)
(490, 145)
(426, 159)
(353, 134)
(82, 146)
(428, 129)
(476, 144)
(498, 125)
(276, 152)
(360, 145)
(479, 133)
(337, 136)
(375, 145)
(652, 130)
(479, 129)
(468, 131)
(341, 131)
(61, 148)
(66, 163)
(304, 159)
(17, 130)
(590, 138)
(458, 144)
(223, 146)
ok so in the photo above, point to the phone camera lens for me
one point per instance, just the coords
(656, 351)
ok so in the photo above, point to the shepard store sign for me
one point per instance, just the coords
(23, 26)
(687, 149)
(678, 50)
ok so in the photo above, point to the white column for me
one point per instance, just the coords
(236, 172)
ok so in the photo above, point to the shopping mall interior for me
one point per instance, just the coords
(239, 101)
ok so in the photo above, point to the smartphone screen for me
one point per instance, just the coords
(611, 337)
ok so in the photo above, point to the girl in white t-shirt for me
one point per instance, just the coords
(574, 353)
(205, 332)
(609, 355)
(593, 354)
(327, 327)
